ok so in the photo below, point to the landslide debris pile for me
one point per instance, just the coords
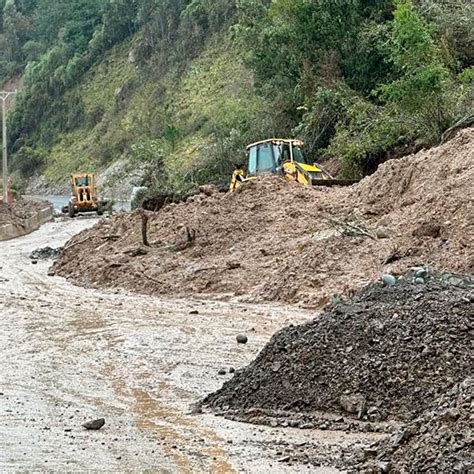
(386, 354)
(20, 211)
(440, 440)
(276, 240)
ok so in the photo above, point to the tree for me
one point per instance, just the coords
(425, 88)
(16, 30)
(118, 20)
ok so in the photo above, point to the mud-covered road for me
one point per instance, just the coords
(68, 355)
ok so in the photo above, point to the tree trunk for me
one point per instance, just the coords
(144, 217)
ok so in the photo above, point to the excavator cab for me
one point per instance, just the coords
(284, 157)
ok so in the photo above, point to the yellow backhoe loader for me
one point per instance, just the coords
(84, 195)
(285, 157)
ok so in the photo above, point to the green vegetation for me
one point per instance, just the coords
(357, 79)
(181, 86)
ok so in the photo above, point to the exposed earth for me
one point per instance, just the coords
(400, 352)
(278, 241)
(69, 355)
(440, 440)
(20, 210)
(380, 381)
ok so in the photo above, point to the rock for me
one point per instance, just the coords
(383, 233)
(427, 230)
(389, 280)
(293, 424)
(231, 370)
(137, 252)
(450, 415)
(45, 253)
(232, 265)
(94, 424)
(209, 189)
(221, 372)
(398, 438)
(421, 273)
(384, 467)
(194, 311)
(456, 281)
(242, 339)
(34, 262)
(420, 281)
(373, 414)
(285, 459)
(352, 403)
(276, 366)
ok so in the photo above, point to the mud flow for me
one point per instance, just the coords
(68, 355)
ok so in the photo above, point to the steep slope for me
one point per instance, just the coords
(127, 113)
(117, 87)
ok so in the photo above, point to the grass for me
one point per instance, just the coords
(182, 111)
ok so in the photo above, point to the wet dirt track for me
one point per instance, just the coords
(68, 355)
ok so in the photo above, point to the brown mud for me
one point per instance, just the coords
(69, 355)
(279, 241)
(21, 210)
(141, 362)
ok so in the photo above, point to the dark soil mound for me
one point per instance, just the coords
(388, 353)
(440, 440)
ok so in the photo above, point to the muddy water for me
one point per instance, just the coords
(68, 355)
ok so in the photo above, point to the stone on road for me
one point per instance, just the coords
(94, 424)
(69, 353)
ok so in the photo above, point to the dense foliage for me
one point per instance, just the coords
(359, 78)
(187, 83)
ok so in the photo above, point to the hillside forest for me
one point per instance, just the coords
(179, 87)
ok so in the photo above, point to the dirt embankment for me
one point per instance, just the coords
(276, 240)
(20, 211)
(386, 354)
(440, 440)
(391, 353)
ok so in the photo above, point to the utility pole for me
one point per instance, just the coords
(4, 95)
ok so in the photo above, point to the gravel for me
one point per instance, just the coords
(388, 354)
(440, 440)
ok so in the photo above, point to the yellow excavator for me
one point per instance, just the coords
(83, 195)
(283, 156)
